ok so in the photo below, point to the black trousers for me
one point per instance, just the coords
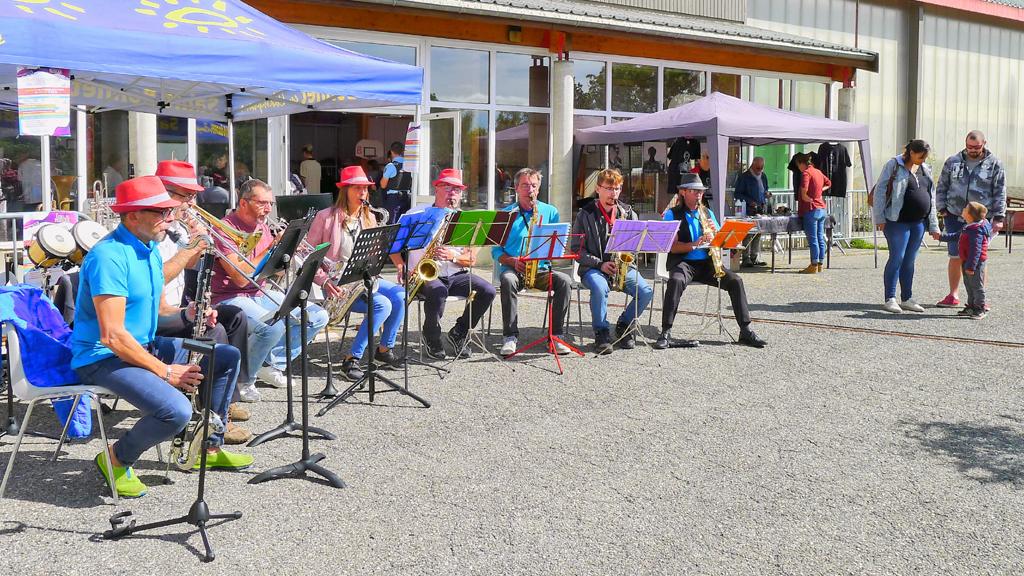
(435, 292)
(702, 272)
(232, 328)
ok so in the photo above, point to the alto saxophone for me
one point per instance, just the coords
(623, 260)
(186, 445)
(708, 225)
(532, 266)
(427, 268)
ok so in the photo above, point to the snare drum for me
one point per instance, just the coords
(86, 234)
(53, 245)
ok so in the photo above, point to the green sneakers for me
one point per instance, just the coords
(126, 482)
(224, 460)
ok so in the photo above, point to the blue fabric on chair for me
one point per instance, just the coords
(45, 338)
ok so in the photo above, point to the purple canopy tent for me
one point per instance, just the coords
(722, 119)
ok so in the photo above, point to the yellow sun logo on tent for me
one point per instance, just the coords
(62, 9)
(193, 13)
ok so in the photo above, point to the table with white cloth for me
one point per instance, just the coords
(787, 224)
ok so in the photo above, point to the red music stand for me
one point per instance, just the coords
(549, 242)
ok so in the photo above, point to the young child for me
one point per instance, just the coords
(973, 245)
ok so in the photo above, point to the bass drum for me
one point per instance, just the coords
(86, 234)
(53, 245)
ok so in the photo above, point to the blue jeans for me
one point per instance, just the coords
(165, 409)
(904, 239)
(266, 342)
(597, 283)
(388, 309)
(814, 228)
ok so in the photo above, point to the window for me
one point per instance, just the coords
(171, 138)
(521, 141)
(459, 75)
(634, 88)
(400, 54)
(682, 87)
(108, 149)
(589, 85)
(809, 97)
(523, 79)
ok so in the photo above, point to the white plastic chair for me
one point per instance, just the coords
(25, 391)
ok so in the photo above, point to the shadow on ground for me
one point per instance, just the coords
(983, 452)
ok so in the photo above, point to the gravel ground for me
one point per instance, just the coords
(830, 452)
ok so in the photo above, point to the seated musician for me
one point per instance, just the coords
(232, 285)
(687, 263)
(179, 178)
(114, 342)
(529, 210)
(453, 279)
(339, 225)
(598, 268)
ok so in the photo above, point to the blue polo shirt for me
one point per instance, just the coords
(692, 221)
(518, 231)
(118, 265)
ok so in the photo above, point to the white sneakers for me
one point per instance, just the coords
(562, 349)
(272, 377)
(248, 392)
(911, 306)
(509, 346)
(891, 306)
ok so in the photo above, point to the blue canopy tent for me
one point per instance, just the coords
(210, 59)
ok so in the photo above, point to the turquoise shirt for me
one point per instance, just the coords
(518, 232)
(691, 220)
(118, 265)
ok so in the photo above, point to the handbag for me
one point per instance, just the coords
(888, 191)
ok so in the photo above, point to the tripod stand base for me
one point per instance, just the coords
(198, 516)
(299, 469)
(286, 428)
(550, 340)
(360, 386)
(12, 428)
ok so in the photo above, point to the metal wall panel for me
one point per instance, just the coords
(723, 9)
(881, 101)
(972, 76)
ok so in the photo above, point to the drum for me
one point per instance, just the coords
(53, 245)
(86, 234)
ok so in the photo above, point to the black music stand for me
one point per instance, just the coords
(368, 255)
(199, 514)
(548, 247)
(297, 295)
(477, 229)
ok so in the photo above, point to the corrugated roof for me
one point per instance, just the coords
(576, 13)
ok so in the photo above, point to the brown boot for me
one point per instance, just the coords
(812, 268)
(237, 413)
(235, 434)
(819, 267)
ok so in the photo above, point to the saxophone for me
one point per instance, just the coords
(532, 266)
(427, 268)
(338, 306)
(708, 225)
(623, 260)
(186, 445)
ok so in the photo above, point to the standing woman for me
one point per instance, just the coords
(903, 206)
(339, 225)
(811, 209)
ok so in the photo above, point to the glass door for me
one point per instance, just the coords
(445, 142)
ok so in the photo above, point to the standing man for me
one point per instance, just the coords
(510, 272)
(310, 170)
(597, 268)
(972, 175)
(453, 279)
(114, 342)
(231, 284)
(396, 184)
(687, 263)
(752, 187)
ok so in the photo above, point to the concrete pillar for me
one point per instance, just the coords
(846, 109)
(277, 154)
(142, 143)
(561, 137)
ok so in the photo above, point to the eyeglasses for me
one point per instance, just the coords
(529, 185)
(450, 188)
(261, 203)
(165, 213)
(610, 189)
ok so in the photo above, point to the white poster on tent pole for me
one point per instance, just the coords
(412, 152)
(44, 101)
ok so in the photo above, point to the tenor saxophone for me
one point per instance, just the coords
(427, 268)
(532, 266)
(708, 225)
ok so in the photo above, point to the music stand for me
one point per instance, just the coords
(199, 514)
(730, 236)
(546, 243)
(477, 229)
(297, 295)
(369, 252)
(640, 236)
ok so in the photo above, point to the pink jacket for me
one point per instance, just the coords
(329, 226)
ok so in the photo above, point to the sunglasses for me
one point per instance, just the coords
(165, 213)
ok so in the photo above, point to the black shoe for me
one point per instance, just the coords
(664, 340)
(602, 342)
(460, 348)
(435, 350)
(627, 342)
(748, 338)
(760, 264)
(350, 369)
(386, 359)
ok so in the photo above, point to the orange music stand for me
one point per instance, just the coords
(730, 236)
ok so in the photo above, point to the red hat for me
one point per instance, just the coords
(142, 193)
(181, 174)
(353, 176)
(450, 176)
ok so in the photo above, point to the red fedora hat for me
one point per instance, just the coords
(353, 176)
(450, 176)
(181, 174)
(142, 193)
